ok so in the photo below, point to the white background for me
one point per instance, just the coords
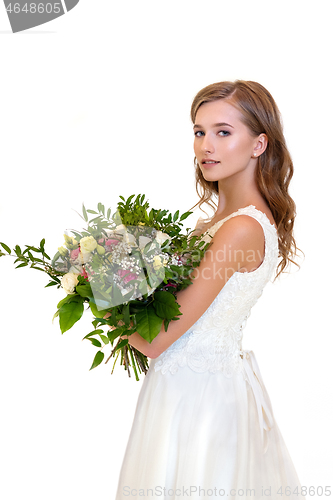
(95, 104)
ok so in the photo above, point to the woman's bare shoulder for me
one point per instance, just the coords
(243, 229)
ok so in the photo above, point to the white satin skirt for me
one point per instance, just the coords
(203, 435)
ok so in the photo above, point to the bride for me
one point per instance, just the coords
(204, 424)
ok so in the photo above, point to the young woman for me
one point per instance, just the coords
(204, 424)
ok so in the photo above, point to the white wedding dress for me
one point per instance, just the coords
(204, 425)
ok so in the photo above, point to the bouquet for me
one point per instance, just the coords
(127, 268)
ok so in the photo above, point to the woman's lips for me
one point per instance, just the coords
(209, 163)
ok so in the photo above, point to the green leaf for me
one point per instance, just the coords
(116, 296)
(68, 298)
(113, 334)
(126, 314)
(94, 332)
(6, 247)
(165, 305)
(129, 199)
(148, 323)
(38, 260)
(122, 344)
(51, 283)
(104, 339)
(84, 290)
(95, 342)
(175, 217)
(69, 314)
(22, 265)
(84, 211)
(39, 268)
(97, 359)
(184, 216)
(96, 312)
(18, 250)
(113, 317)
(95, 220)
(92, 212)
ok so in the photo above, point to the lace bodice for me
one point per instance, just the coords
(214, 342)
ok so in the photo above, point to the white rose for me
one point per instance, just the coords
(143, 241)
(76, 269)
(88, 244)
(130, 239)
(84, 257)
(121, 229)
(69, 282)
(157, 262)
(161, 237)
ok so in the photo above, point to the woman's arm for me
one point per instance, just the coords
(239, 244)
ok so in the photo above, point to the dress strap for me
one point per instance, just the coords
(265, 412)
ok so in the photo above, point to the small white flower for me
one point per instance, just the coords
(69, 282)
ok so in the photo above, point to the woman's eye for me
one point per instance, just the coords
(222, 133)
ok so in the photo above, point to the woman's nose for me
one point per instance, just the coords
(207, 145)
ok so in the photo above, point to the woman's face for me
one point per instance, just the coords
(223, 145)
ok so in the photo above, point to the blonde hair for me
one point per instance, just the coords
(275, 167)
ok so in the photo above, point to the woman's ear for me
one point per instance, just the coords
(260, 145)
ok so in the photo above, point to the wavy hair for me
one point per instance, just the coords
(274, 167)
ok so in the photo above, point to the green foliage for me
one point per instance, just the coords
(6, 247)
(70, 313)
(99, 356)
(96, 312)
(145, 316)
(84, 290)
(149, 324)
(134, 211)
(165, 305)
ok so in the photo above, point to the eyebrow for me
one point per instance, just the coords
(216, 125)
